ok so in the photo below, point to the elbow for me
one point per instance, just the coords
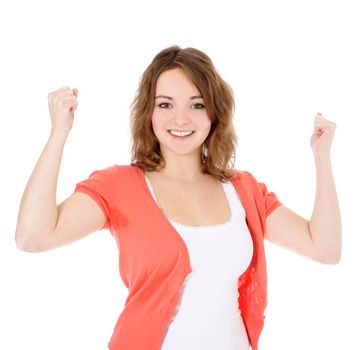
(26, 244)
(330, 261)
(329, 252)
(331, 258)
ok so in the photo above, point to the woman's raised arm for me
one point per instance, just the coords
(42, 224)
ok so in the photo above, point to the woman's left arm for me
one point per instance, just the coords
(320, 238)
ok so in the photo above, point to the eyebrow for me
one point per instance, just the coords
(171, 98)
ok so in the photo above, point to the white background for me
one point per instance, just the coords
(285, 60)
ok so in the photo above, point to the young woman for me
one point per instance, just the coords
(190, 228)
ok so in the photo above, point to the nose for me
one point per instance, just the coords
(181, 117)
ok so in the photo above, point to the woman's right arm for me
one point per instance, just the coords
(42, 224)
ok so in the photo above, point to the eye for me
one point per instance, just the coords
(164, 105)
(198, 106)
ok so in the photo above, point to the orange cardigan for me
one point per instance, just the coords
(154, 260)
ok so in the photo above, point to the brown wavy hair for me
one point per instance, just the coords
(218, 150)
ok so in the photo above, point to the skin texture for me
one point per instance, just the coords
(320, 237)
(42, 225)
(178, 111)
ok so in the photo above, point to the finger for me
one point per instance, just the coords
(62, 89)
(67, 102)
(67, 97)
(320, 117)
(325, 124)
(320, 121)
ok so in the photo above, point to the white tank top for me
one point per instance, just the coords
(207, 315)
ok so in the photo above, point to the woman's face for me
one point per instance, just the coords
(179, 106)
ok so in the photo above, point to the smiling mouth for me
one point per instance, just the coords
(179, 130)
(181, 137)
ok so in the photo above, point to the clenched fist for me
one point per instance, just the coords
(321, 139)
(62, 104)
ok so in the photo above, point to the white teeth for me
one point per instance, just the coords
(180, 133)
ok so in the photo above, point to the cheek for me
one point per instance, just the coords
(203, 121)
(157, 120)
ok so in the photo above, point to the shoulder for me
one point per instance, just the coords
(245, 176)
(118, 169)
(115, 173)
(250, 183)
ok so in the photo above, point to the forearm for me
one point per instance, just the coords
(325, 222)
(38, 210)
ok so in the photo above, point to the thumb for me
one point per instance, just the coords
(75, 92)
(73, 108)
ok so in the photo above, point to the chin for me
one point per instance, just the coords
(180, 150)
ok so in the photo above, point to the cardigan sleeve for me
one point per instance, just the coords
(100, 187)
(271, 200)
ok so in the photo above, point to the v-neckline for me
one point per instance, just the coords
(192, 227)
(186, 256)
(177, 235)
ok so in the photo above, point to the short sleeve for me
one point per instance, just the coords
(271, 200)
(99, 187)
